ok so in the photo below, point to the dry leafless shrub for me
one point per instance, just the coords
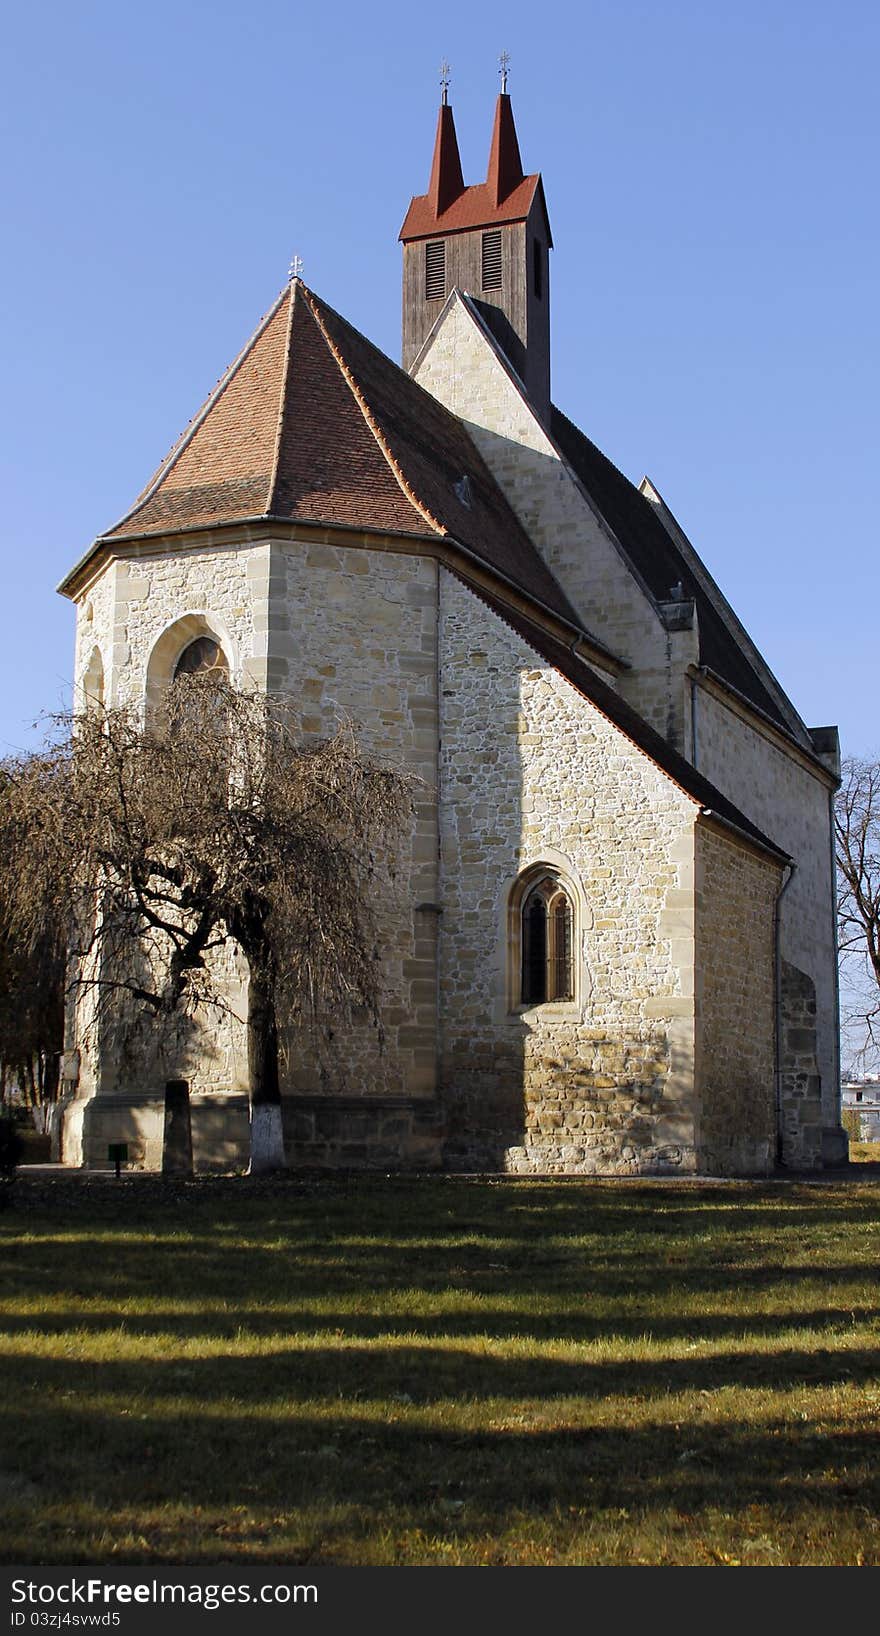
(144, 848)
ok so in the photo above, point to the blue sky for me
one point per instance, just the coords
(710, 175)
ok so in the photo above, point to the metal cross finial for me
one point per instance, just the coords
(503, 66)
(444, 80)
(295, 269)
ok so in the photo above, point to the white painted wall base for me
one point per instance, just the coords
(267, 1141)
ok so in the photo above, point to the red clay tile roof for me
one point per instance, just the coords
(223, 462)
(438, 462)
(312, 423)
(475, 207)
(330, 467)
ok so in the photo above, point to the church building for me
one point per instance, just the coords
(610, 945)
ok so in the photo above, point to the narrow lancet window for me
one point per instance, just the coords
(547, 968)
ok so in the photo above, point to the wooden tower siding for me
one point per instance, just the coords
(517, 314)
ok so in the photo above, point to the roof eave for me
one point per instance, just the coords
(759, 841)
(604, 656)
(71, 582)
(499, 217)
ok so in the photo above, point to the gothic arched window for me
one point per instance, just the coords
(93, 682)
(546, 944)
(202, 657)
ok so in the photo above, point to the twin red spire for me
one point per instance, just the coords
(505, 166)
(450, 207)
(447, 181)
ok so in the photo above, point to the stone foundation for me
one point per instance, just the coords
(800, 1083)
(327, 1133)
(362, 1133)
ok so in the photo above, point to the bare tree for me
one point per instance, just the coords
(32, 1016)
(857, 832)
(31, 1009)
(152, 846)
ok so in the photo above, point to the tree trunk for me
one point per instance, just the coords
(267, 1144)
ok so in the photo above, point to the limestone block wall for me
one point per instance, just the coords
(125, 1049)
(131, 605)
(791, 804)
(800, 1088)
(461, 369)
(532, 773)
(353, 635)
(362, 1132)
(127, 613)
(350, 633)
(735, 1050)
(93, 655)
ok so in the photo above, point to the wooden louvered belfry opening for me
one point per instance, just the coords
(492, 259)
(435, 270)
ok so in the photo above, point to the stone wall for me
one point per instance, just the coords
(735, 1055)
(800, 1092)
(350, 634)
(135, 601)
(362, 1132)
(131, 611)
(461, 369)
(532, 773)
(354, 636)
(789, 802)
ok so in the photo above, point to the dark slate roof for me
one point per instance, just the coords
(631, 724)
(312, 423)
(656, 557)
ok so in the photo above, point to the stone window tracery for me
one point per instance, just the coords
(203, 657)
(194, 644)
(546, 943)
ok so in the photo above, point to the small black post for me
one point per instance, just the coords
(177, 1151)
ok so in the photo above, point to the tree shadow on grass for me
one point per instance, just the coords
(551, 1324)
(274, 1380)
(205, 1269)
(345, 1472)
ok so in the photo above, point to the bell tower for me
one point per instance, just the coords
(491, 240)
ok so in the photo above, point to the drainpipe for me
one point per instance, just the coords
(777, 953)
(835, 1043)
(693, 721)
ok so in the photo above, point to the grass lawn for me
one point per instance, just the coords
(449, 1372)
